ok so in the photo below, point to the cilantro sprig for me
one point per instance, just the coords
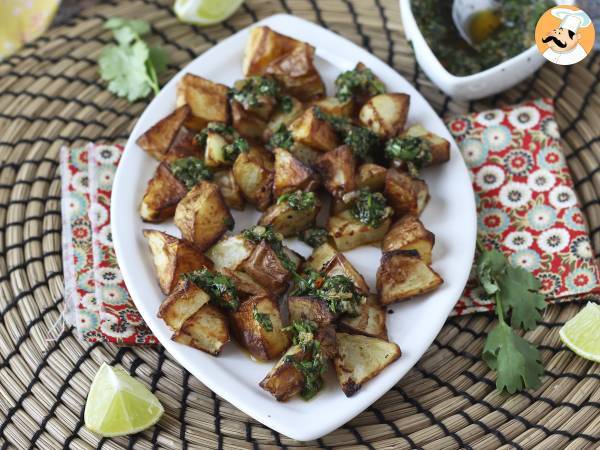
(516, 361)
(131, 67)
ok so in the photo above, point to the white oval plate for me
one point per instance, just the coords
(413, 324)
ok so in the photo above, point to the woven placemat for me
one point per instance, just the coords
(50, 96)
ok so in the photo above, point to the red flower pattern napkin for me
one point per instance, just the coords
(526, 204)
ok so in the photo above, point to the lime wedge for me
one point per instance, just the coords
(119, 404)
(205, 12)
(582, 333)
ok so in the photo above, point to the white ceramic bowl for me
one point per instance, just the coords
(481, 84)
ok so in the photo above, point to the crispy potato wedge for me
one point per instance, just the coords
(288, 221)
(245, 285)
(310, 308)
(361, 358)
(440, 147)
(403, 274)
(246, 123)
(181, 304)
(230, 252)
(254, 173)
(263, 47)
(265, 104)
(163, 193)
(254, 335)
(284, 380)
(335, 107)
(321, 256)
(264, 266)
(183, 146)
(317, 133)
(229, 189)
(206, 99)
(385, 114)
(371, 176)
(338, 169)
(291, 174)
(326, 335)
(305, 154)
(348, 232)
(172, 257)
(370, 321)
(214, 155)
(339, 265)
(157, 140)
(283, 118)
(405, 194)
(297, 74)
(409, 233)
(203, 216)
(206, 330)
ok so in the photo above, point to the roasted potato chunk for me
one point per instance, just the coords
(253, 172)
(163, 193)
(348, 232)
(317, 133)
(283, 118)
(206, 99)
(440, 147)
(246, 123)
(310, 308)
(370, 321)
(230, 252)
(335, 107)
(403, 274)
(244, 284)
(265, 267)
(371, 176)
(289, 221)
(284, 380)
(321, 256)
(257, 326)
(291, 174)
(405, 194)
(203, 216)
(183, 146)
(305, 154)
(172, 257)
(385, 114)
(214, 154)
(297, 73)
(339, 265)
(263, 47)
(157, 140)
(181, 304)
(361, 358)
(229, 189)
(206, 330)
(337, 169)
(410, 234)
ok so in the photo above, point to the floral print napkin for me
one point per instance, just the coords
(526, 204)
(97, 303)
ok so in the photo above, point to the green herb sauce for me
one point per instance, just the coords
(263, 319)
(356, 82)
(370, 208)
(190, 171)
(415, 152)
(282, 138)
(219, 287)
(298, 201)
(259, 233)
(314, 236)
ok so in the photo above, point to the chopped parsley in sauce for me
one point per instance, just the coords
(357, 81)
(370, 208)
(220, 288)
(299, 200)
(414, 151)
(190, 171)
(314, 236)
(263, 319)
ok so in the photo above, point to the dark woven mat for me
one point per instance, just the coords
(50, 96)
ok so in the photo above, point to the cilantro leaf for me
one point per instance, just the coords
(136, 26)
(516, 361)
(520, 294)
(490, 267)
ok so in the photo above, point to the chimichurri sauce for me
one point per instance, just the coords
(497, 35)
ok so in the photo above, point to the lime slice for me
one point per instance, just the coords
(205, 12)
(119, 404)
(582, 333)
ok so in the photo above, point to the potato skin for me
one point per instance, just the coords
(317, 133)
(405, 194)
(283, 118)
(263, 47)
(181, 304)
(157, 140)
(206, 330)
(206, 99)
(348, 232)
(203, 216)
(264, 266)
(385, 114)
(163, 193)
(183, 146)
(337, 169)
(310, 308)
(284, 380)
(339, 265)
(172, 257)
(402, 275)
(291, 174)
(288, 221)
(371, 176)
(335, 107)
(246, 123)
(254, 174)
(409, 233)
(262, 344)
(245, 285)
(370, 322)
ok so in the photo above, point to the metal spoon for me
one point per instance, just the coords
(463, 10)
